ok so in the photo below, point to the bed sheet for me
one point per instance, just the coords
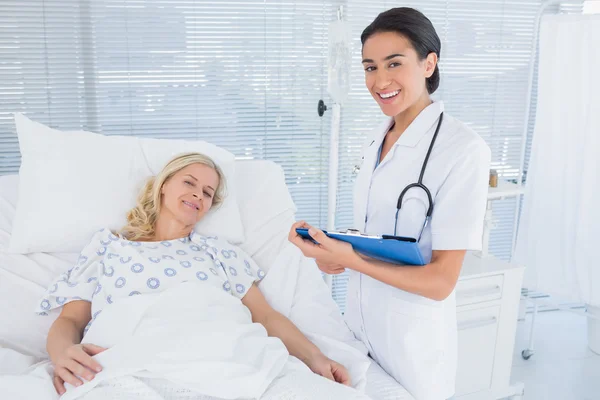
(380, 386)
(23, 279)
(20, 293)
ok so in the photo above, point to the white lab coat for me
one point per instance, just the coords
(412, 337)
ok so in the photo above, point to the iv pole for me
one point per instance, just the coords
(339, 37)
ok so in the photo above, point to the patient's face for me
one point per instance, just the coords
(188, 194)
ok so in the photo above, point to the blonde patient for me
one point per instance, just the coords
(158, 249)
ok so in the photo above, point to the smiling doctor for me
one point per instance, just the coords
(406, 316)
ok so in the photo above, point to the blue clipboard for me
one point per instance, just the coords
(392, 249)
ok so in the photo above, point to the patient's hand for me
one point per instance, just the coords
(76, 360)
(329, 369)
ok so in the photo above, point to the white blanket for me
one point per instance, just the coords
(294, 286)
(183, 334)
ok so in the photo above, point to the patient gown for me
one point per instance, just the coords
(111, 267)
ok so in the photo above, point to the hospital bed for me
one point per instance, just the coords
(267, 213)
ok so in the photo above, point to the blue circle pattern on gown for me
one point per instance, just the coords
(153, 283)
(101, 251)
(45, 305)
(199, 237)
(108, 271)
(137, 268)
(201, 275)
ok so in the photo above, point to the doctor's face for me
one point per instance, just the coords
(394, 74)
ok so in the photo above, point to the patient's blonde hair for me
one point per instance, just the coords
(141, 219)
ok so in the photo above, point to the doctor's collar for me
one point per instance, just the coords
(421, 125)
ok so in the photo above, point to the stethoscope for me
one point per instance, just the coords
(419, 184)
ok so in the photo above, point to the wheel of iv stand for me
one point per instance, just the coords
(526, 354)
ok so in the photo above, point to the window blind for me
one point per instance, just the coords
(244, 75)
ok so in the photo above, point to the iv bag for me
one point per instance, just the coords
(340, 60)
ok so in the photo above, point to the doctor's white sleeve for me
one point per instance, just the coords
(460, 204)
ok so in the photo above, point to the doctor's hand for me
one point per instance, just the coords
(321, 365)
(332, 256)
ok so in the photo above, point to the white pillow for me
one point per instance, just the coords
(74, 183)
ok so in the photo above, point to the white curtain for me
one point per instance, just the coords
(559, 233)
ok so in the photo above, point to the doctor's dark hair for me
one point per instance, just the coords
(416, 28)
